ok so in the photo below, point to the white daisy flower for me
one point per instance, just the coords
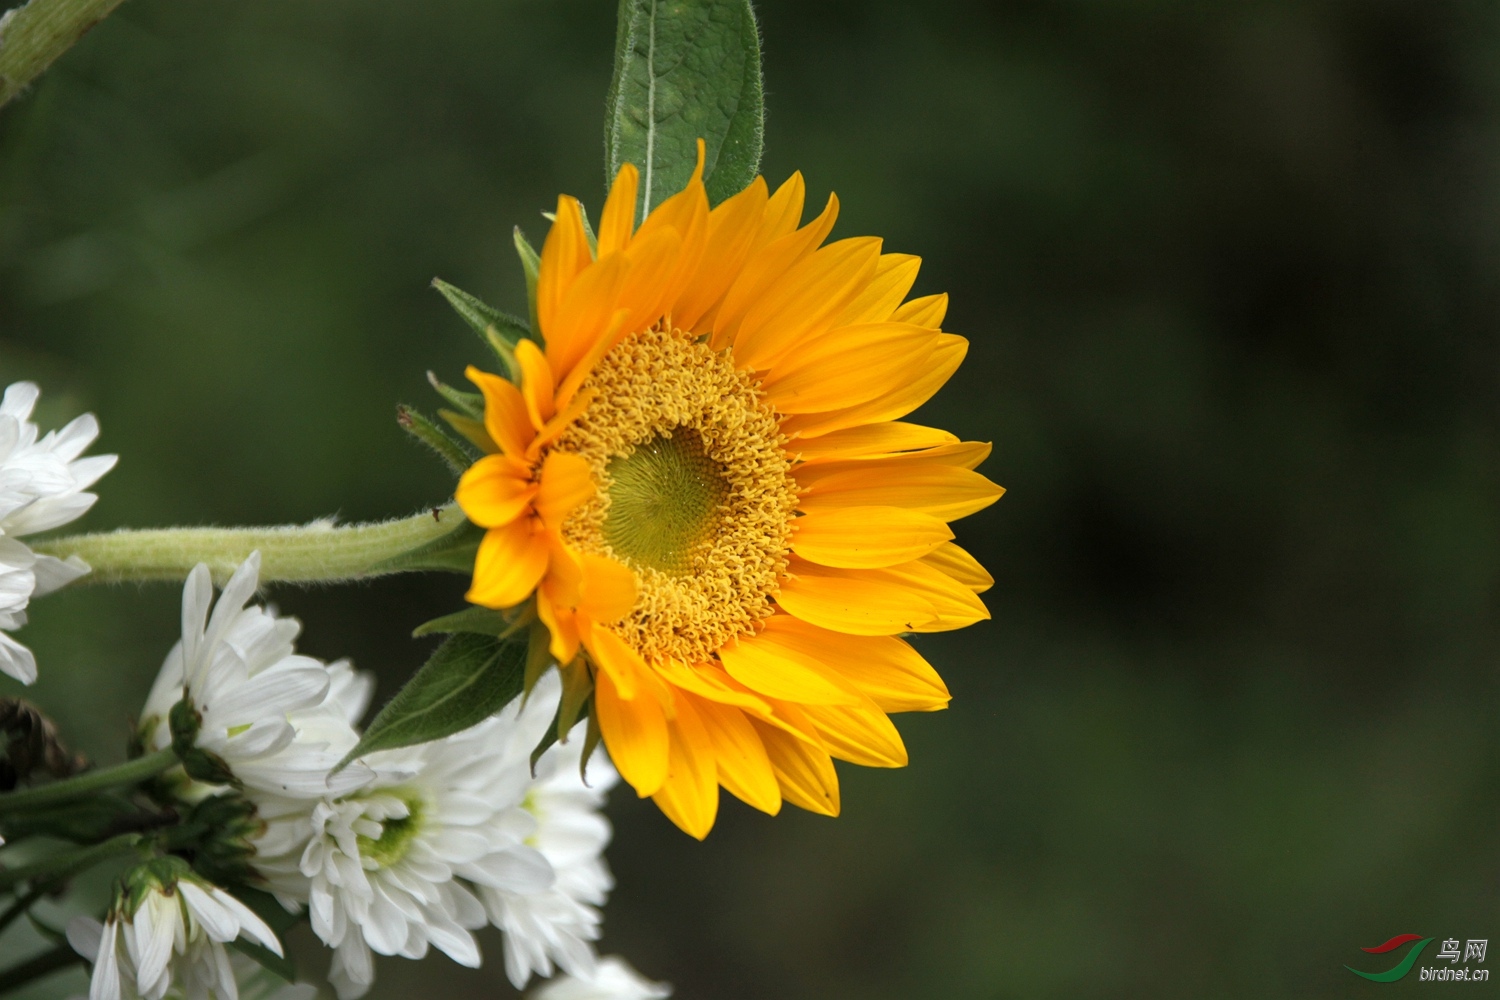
(167, 930)
(557, 924)
(389, 869)
(255, 981)
(613, 979)
(43, 484)
(273, 719)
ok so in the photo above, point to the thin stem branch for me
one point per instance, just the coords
(35, 34)
(25, 903)
(313, 553)
(87, 783)
(64, 864)
(48, 962)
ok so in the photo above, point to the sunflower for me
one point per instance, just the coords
(702, 483)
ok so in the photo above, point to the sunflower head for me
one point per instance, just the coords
(701, 478)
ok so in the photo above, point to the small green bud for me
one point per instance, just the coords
(224, 829)
(201, 764)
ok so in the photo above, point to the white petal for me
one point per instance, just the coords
(53, 573)
(16, 660)
(84, 935)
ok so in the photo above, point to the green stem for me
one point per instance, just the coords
(45, 964)
(23, 904)
(65, 864)
(313, 553)
(33, 35)
(130, 772)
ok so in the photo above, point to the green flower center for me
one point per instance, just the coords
(664, 501)
(396, 836)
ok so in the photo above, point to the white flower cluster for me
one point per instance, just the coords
(43, 484)
(402, 852)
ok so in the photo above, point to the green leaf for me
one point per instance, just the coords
(685, 70)
(422, 427)
(482, 621)
(471, 404)
(481, 316)
(531, 264)
(469, 678)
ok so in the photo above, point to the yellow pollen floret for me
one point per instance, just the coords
(695, 492)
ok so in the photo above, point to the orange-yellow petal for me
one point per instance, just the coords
(804, 301)
(561, 622)
(617, 659)
(859, 602)
(495, 490)
(957, 563)
(608, 590)
(635, 732)
(565, 255)
(764, 267)
(766, 666)
(690, 793)
(847, 367)
(586, 315)
(732, 228)
(953, 603)
(783, 213)
(505, 415)
(859, 734)
(538, 387)
(930, 486)
(947, 355)
(927, 311)
(509, 564)
(885, 669)
(870, 441)
(617, 221)
(743, 767)
(566, 482)
(804, 772)
(893, 279)
(857, 537)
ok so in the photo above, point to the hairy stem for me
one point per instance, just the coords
(57, 792)
(313, 553)
(36, 33)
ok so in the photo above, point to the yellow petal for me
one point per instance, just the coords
(870, 441)
(893, 279)
(495, 490)
(805, 772)
(860, 735)
(635, 733)
(505, 415)
(537, 385)
(763, 665)
(783, 211)
(885, 669)
(713, 684)
(959, 455)
(564, 255)
(847, 367)
(764, 267)
(946, 356)
(585, 314)
(562, 624)
(955, 605)
(617, 221)
(653, 258)
(743, 767)
(927, 311)
(859, 602)
(608, 591)
(732, 228)
(961, 566)
(617, 659)
(509, 564)
(690, 794)
(566, 483)
(867, 536)
(944, 491)
(805, 300)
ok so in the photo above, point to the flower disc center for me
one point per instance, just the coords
(664, 501)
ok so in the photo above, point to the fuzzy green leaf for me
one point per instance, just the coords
(480, 316)
(531, 264)
(469, 678)
(685, 70)
(454, 552)
(422, 427)
(482, 621)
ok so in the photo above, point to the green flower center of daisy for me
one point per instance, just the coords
(665, 497)
(396, 836)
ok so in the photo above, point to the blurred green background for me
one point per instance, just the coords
(1232, 280)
